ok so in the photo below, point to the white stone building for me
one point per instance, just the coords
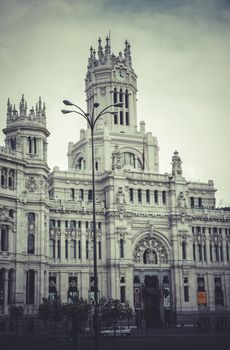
(155, 232)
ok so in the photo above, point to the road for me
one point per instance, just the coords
(178, 342)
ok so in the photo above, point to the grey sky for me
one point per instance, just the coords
(180, 52)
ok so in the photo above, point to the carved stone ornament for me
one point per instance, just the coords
(116, 158)
(4, 214)
(31, 184)
(150, 226)
(22, 197)
(120, 201)
(43, 185)
(103, 91)
(150, 250)
(181, 203)
(176, 164)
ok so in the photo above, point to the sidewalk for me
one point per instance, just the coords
(179, 332)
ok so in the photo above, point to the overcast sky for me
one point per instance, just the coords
(180, 53)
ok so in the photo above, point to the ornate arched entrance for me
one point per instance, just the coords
(152, 276)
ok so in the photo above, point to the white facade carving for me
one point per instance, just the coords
(153, 230)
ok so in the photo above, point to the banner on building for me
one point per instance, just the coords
(201, 298)
(137, 298)
(166, 294)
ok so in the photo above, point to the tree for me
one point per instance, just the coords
(16, 312)
(77, 313)
(113, 310)
(45, 311)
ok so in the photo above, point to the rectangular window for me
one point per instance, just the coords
(121, 248)
(221, 253)
(90, 195)
(79, 249)
(127, 118)
(184, 255)
(72, 193)
(87, 249)
(59, 249)
(72, 249)
(52, 248)
(216, 248)
(227, 252)
(122, 292)
(192, 202)
(205, 253)
(147, 196)
(200, 252)
(66, 249)
(210, 252)
(121, 118)
(30, 286)
(200, 202)
(186, 293)
(139, 194)
(81, 194)
(155, 196)
(164, 197)
(99, 250)
(115, 118)
(194, 251)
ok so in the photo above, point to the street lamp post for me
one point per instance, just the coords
(91, 121)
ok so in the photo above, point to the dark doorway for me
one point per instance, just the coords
(151, 299)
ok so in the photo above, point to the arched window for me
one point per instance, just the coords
(31, 217)
(5, 238)
(3, 177)
(130, 159)
(80, 163)
(30, 243)
(121, 248)
(13, 143)
(72, 224)
(96, 165)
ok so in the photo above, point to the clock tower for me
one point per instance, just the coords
(111, 79)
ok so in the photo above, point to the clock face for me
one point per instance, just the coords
(120, 75)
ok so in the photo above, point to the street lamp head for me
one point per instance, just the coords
(119, 104)
(68, 103)
(65, 111)
(96, 104)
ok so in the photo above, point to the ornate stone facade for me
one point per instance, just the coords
(153, 230)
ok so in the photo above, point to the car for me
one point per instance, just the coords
(116, 331)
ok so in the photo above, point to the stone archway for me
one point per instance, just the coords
(149, 254)
(150, 250)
